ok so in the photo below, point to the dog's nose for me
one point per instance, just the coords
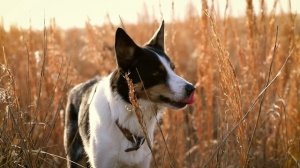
(189, 89)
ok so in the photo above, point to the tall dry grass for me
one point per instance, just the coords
(247, 74)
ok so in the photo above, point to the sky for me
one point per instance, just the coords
(74, 13)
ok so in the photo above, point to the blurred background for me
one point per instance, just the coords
(68, 13)
(243, 56)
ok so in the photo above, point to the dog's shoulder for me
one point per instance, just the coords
(79, 103)
(80, 89)
(84, 86)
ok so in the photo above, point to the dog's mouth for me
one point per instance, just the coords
(178, 104)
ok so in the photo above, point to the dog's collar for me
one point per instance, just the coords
(137, 141)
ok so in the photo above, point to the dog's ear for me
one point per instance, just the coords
(125, 49)
(158, 38)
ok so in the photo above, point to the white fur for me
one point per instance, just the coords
(107, 143)
(175, 82)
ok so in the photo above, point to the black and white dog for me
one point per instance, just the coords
(100, 122)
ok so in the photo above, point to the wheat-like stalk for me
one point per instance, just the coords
(138, 112)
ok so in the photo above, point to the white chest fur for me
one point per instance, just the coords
(107, 143)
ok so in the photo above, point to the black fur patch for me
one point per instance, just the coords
(146, 66)
(77, 121)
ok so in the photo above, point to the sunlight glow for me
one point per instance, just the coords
(70, 13)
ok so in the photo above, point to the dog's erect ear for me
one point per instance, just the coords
(125, 49)
(158, 38)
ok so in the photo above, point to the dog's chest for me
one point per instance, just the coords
(107, 142)
(111, 144)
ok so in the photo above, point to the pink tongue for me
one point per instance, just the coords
(190, 99)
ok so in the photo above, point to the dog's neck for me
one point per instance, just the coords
(122, 105)
(119, 84)
(124, 113)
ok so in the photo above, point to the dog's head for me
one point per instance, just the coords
(151, 71)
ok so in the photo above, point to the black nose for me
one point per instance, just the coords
(189, 89)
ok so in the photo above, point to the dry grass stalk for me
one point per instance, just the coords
(138, 112)
(230, 89)
(262, 100)
(203, 118)
(251, 107)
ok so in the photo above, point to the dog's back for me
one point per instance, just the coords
(76, 113)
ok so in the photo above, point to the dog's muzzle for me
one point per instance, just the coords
(187, 99)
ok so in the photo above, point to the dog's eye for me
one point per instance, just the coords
(172, 66)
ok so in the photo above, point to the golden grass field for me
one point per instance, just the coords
(247, 73)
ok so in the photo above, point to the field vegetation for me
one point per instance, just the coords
(246, 69)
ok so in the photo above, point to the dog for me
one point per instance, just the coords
(101, 127)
